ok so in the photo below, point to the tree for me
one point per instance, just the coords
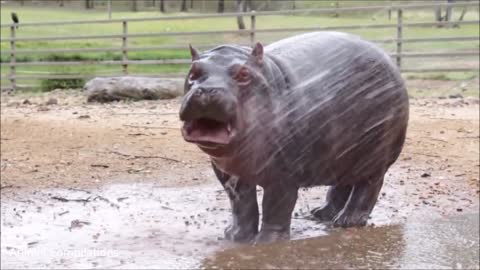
(464, 11)
(134, 6)
(162, 6)
(149, 3)
(337, 5)
(184, 6)
(109, 9)
(221, 6)
(448, 13)
(89, 4)
(242, 7)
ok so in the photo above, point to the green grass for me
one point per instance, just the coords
(47, 85)
(446, 76)
(29, 14)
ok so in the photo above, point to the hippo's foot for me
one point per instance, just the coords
(237, 234)
(346, 220)
(337, 197)
(325, 213)
(359, 205)
(269, 236)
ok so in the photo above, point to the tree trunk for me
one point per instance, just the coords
(162, 6)
(134, 6)
(109, 7)
(249, 5)
(438, 14)
(390, 10)
(184, 6)
(88, 4)
(221, 6)
(464, 11)
(337, 5)
(240, 8)
(191, 4)
(449, 11)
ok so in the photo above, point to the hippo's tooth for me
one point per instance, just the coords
(229, 128)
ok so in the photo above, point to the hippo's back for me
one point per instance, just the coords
(350, 107)
(310, 53)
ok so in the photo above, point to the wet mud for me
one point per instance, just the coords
(150, 226)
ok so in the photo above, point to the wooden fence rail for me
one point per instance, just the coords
(126, 36)
(250, 32)
(205, 46)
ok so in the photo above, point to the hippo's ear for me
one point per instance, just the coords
(256, 57)
(194, 53)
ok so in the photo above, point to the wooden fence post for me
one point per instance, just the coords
(13, 59)
(124, 48)
(399, 37)
(252, 27)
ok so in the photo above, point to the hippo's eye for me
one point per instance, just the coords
(243, 76)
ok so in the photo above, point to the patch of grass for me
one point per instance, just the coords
(47, 85)
(25, 58)
(64, 57)
(447, 76)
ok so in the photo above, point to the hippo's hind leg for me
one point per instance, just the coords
(337, 197)
(243, 201)
(360, 204)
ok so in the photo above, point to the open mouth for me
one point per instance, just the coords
(208, 133)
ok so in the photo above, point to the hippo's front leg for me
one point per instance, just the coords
(243, 201)
(278, 204)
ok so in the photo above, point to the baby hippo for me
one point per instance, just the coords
(322, 108)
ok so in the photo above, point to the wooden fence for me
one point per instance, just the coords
(125, 37)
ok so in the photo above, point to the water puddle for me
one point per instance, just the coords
(447, 243)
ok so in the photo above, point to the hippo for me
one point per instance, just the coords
(316, 109)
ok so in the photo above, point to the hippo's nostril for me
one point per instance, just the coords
(199, 92)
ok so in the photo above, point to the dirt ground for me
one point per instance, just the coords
(74, 144)
(163, 199)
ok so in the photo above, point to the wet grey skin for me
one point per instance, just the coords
(323, 108)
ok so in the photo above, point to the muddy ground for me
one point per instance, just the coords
(72, 172)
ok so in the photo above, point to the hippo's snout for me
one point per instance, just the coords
(205, 103)
(209, 116)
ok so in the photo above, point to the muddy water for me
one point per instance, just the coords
(448, 243)
(151, 226)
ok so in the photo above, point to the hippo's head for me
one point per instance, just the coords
(218, 92)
